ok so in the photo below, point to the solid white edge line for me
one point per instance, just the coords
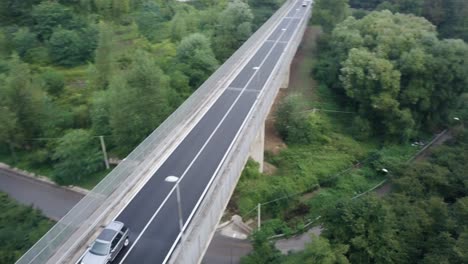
(193, 161)
(226, 153)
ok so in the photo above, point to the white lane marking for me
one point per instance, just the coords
(225, 154)
(240, 89)
(188, 168)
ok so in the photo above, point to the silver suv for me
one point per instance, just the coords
(107, 245)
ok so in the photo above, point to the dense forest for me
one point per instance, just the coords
(391, 73)
(394, 70)
(71, 71)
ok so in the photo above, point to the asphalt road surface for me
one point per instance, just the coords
(53, 201)
(152, 214)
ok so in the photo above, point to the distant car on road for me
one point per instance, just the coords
(107, 245)
(304, 3)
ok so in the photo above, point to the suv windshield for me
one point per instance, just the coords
(100, 248)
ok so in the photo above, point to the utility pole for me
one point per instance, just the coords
(259, 215)
(104, 152)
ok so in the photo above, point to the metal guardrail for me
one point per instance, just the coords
(203, 225)
(139, 160)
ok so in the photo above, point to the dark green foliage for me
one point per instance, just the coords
(57, 118)
(234, 27)
(328, 13)
(24, 41)
(365, 4)
(368, 226)
(70, 47)
(398, 75)
(147, 17)
(22, 101)
(13, 11)
(100, 113)
(139, 101)
(104, 56)
(450, 16)
(78, 156)
(288, 117)
(195, 59)
(299, 126)
(261, 10)
(48, 15)
(54, 82)
(20, 227)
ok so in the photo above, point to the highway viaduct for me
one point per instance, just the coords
(205, 143)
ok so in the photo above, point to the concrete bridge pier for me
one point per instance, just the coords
(258, 147)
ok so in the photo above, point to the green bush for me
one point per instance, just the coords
(23, 41)
(71, 47)
(78, 156)
(54, 82)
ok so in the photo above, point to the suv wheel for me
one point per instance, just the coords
(126, 242)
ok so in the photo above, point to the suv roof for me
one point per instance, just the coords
(110, 231)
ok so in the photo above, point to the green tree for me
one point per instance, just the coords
(234, 27)
(328, 13)
(178, 27)
(120, 8)
(23, 99)
(23, 41)
(365, 4)
(460, 245)
(78, 156)
(16, 12)
(70, 47)
(423, 180)
(103, 58)
(104, 7)
(196, 59)
(49, 15)
(64, 47)
(7, 124)
(149, 15)
(396, 72)
(368, 226)
(139, 101)
(54, 82)
(100, 113)
(4, 49)
(374, 84)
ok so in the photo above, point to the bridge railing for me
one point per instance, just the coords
(203, 225)
(89, 212)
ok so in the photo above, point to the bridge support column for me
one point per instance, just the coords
(285, 83)
(258, 146)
